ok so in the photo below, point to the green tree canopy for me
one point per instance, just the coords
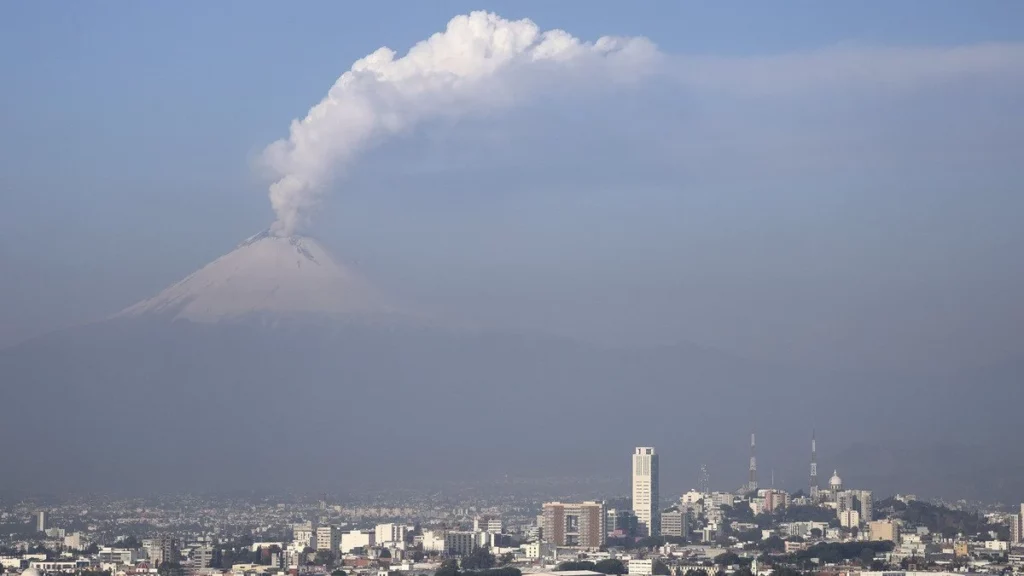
(611, 566)
(480, 559)
(727, 559)
(574, 565)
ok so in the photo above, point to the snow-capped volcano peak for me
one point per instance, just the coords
(266, 274)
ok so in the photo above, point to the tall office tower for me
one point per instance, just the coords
(41, 521)
(579, 524)
(645, 490)
(814, 468)
(704, 482)
(327, 538)
(1017, 527)
(752, 483)
(166, 549)
(867, 504)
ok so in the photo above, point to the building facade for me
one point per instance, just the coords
(645, 490)
(390, 533)
(458, 543)
(578, 525)
(1017, 527)
(327, 538)
(884, 530)
(357, 539)
(675, 522)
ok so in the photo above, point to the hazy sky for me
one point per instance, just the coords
(831, 184)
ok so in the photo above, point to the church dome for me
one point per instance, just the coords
(835, 481)
(31, 572)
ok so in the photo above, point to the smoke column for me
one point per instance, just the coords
(468, 68)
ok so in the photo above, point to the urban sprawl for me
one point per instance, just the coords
(828, 530)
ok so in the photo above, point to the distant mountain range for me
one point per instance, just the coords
(275, 367)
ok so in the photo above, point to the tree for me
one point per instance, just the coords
(339, 572)
(324, 557)
(448, 568)
(727, 559)
(571, 566)
(867, 556)
(659, 568)
(815, 532)
(480, 559)
(506, 559)
(772, 544)
(752, 535)
(128, 542)
(611, 566)
(170, 569)
(693, 572)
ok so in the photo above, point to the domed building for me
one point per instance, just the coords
(31, 572)
(835, 484)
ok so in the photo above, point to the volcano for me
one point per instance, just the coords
(181, 392)
(266, 275)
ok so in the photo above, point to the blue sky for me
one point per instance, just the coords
(132, 132)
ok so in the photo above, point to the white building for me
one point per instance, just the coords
(492, 524)
(304, 535)
(358, 539)
(75, 541)
(433, 541)
(459, 543)
(118, 555)
(41, 521)
(644, 567)
(537, 550)
(327, 538)
(849, 518)
(11, 562)
(645, 490)
(384, 533)
(691, 497)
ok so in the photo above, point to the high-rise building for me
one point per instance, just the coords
(775, 499)
(41, 521)
(645, 490)
(623, 521)
(327, 538)
(866, 504)
(1017, 527)
(849, 518)
(579, 524)
(163, 548)
(814, 468)
(458, 543)
(675, 522)
(390, 533)
(752, 481)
